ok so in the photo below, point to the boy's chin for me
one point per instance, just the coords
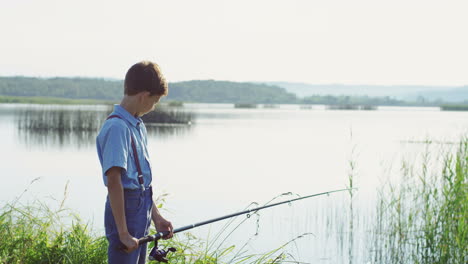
(144, 113)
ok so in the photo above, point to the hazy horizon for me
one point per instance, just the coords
(400, 42)
(254, 81)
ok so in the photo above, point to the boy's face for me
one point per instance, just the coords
(149, 102)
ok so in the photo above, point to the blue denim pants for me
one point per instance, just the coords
(138, 206)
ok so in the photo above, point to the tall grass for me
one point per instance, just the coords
(351, 185)
(35, 233)
(424, 219)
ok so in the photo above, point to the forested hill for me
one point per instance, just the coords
(210, 91)
(203, 91)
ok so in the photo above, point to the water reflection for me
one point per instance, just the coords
(67, 126)
(58, 126)
(168, 130)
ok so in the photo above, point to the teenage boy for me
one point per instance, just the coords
(123, 154)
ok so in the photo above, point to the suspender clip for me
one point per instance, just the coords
(141, 182)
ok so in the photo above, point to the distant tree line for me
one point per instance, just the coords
(74, 88)
(210, 91)
(199, 91)
(352, 100)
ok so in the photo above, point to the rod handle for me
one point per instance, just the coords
(145, 239)
(154, 237)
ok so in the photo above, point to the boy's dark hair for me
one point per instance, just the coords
(145, 76)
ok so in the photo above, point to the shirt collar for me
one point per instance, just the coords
(122, 112)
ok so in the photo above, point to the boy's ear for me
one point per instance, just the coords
(143, 95)
(147, 93)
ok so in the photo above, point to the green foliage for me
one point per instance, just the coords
(74, 88)
(35, 234)
(459, 107)
(210, 91)
(425, 219)
(50, 100)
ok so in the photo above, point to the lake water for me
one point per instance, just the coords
(231, 157)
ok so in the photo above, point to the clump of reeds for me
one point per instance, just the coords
(367, 107)
(343, 107)
(169, 115)
(351, 107)
(305, 107)
(454, 107)
(425, 218)
(63, 120)
(175, 104)
(245, 105)
(271, 106)
(59, 126)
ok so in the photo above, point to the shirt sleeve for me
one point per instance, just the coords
(114, 147)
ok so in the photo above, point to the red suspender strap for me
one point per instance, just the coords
(135, 154)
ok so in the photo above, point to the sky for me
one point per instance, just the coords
(415, 42)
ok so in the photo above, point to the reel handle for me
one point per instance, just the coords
(147, 239)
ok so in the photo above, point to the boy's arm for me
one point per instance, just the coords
(116, 198)
(160, 222)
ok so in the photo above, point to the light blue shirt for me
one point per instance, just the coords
(115, 150)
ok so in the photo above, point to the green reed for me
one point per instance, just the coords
(424, 219)
(351, 185)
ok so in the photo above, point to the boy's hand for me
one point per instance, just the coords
(129, 242)
(163, 225)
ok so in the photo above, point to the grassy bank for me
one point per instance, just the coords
(50, 100)
(35, 233)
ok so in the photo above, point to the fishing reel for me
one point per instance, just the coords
(159, 254)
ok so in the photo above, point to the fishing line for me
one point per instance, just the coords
(160, 254)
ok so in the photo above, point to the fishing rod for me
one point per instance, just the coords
(159, 254)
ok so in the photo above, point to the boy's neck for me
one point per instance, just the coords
(130, 104)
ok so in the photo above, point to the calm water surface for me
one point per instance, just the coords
(231, 157)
